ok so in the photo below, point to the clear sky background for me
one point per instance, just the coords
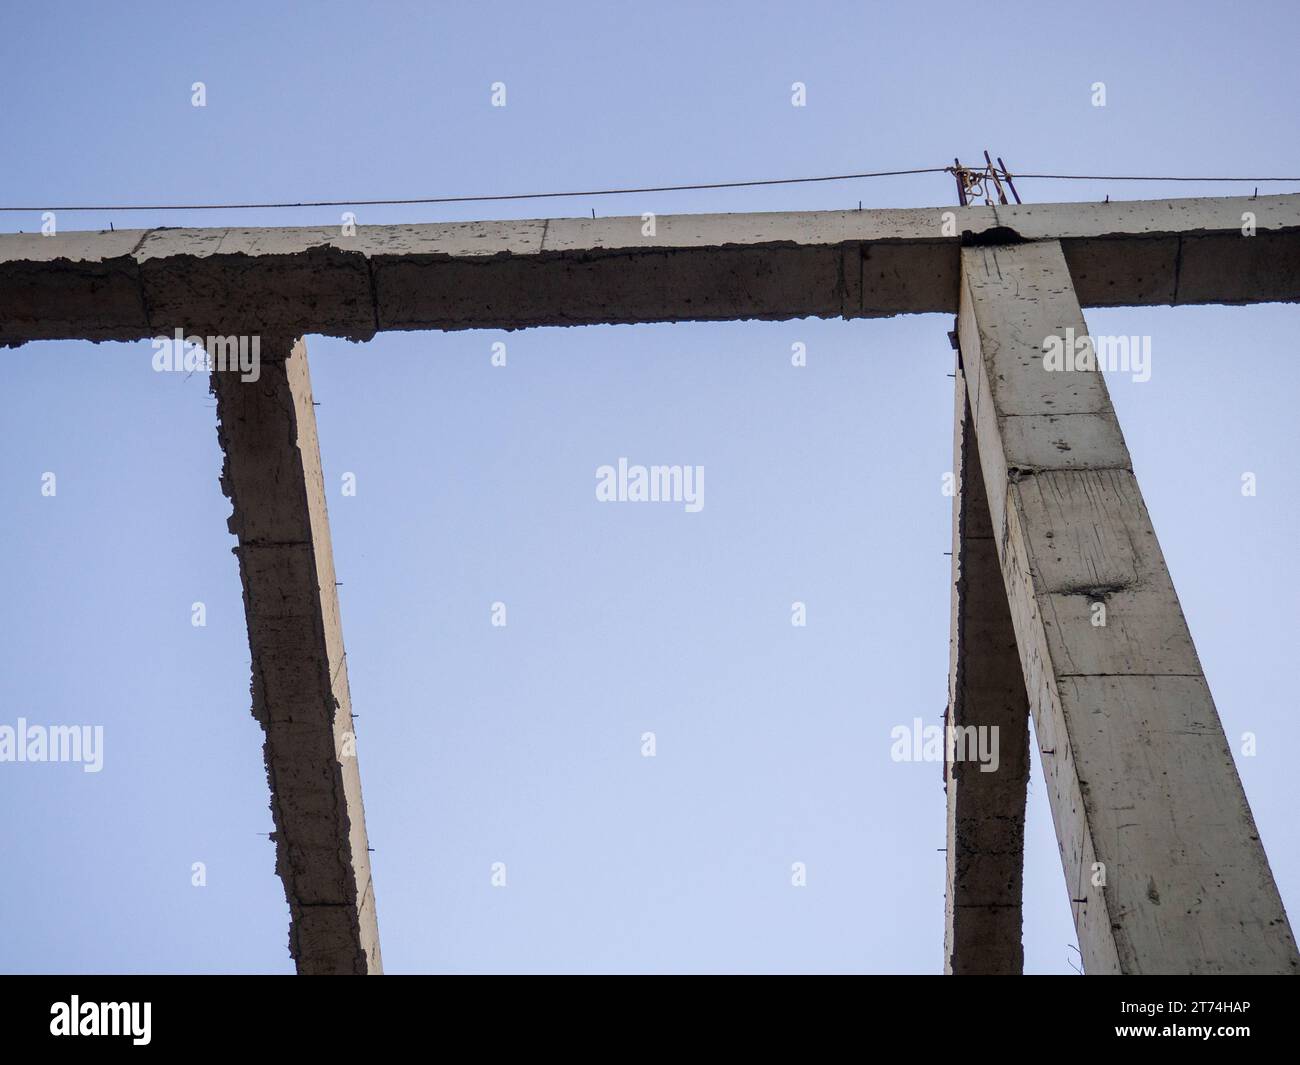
(476, 484)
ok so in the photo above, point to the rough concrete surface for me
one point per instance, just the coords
(568, 271)
(1140, 777)
(1161, 854)
(300, 695)
(986, 689)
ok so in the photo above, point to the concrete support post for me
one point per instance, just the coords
(987, 709)
(272, 475)
(1163, 862)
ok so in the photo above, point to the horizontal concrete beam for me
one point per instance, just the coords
(130, 285)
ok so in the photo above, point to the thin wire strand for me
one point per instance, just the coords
(1130, 177)
(485, 199)
(626, 192)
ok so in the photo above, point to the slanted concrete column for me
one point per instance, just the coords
(272, 475)
(988, 710)
(1162, 858)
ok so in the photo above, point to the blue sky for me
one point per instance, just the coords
(475, 483)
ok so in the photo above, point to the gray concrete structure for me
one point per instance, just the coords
(1161, 854)
(272, 475)
(1048, 518)
(986, 690)
(465, 275)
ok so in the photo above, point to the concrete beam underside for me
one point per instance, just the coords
(272, 475)
(1162, 858)
(134, 284)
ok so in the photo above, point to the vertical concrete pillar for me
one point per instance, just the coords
(1162, 858)
(987, 705)
(272, 474)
